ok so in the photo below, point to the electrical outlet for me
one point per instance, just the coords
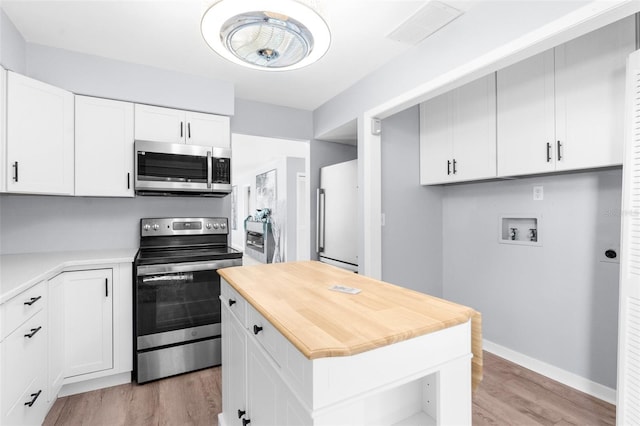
(538, 193)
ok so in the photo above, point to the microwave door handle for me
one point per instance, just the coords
(209, 169)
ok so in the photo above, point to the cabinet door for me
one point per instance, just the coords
(56, 335)
(234, 372)
(88, 302)
(526, 128)
(104, 147)
(474, 130)
(264, 389)
(159, 124)
(208, 130)
(3, 126)
(39, 137)
(590, 81)
(436, 140)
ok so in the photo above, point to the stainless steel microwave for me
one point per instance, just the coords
(178, 169)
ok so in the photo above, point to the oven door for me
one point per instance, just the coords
(177, 303)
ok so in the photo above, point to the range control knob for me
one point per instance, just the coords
(156, 226)
(223, 225)
(208, 225)
(147, 227)
(215, 225)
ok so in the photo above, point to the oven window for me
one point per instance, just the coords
(172, 167)
(174, 301)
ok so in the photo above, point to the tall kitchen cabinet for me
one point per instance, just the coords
(458, 134)
(103, 147)
(39, 137)
(177, 126)
(563, 109)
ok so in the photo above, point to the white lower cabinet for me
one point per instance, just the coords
(266, 380)
(23, 359)
(66, 335)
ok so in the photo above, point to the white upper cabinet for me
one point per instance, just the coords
(39, 140)
(177, 126)
(590, 83)
(458, 134)
(104, 147)
(3, 126)
(526, 114)
(562, 109)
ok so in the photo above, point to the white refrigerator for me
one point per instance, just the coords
(336, 218)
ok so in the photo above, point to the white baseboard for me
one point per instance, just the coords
(94, 384)
(565, 377)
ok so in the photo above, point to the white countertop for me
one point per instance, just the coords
(18, 272)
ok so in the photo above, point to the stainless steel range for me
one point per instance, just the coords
(177, 290)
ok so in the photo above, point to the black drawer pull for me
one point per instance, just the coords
(241, 413)
(256, 329)
(34, 396)
(245, 422)
(15, 168)
(232, 302)
(32, 300)
(33, 332)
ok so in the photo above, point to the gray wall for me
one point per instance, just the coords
(37, 223)
(412, 235)
(557, 303)
(97, 76)
(260, 119)
(12, 46)
(322, 154)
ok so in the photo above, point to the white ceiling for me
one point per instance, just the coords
(166, 34)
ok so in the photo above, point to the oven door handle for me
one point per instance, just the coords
(168, 268)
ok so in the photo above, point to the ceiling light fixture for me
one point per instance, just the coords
(273, 35)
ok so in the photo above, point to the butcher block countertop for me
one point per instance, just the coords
(296, 298)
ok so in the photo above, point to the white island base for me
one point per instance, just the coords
(425, 380)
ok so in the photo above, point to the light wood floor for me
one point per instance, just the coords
(508, 395)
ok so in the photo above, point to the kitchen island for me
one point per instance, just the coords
(298, 351)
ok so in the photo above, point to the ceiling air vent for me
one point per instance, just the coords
(426, 21)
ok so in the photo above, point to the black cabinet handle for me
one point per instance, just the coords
(33, 332)
(15, 172)
(559, 151)
(241, 413)
(548, 152)
(245, 422)
(106, 287)
(448, 167)
(34, 396)
(256, 329)
(232, 302)
(32, 300)
(189, 130)
(454, 166)
(128, 180)
(181, 129)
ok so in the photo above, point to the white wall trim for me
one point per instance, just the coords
(565, 377)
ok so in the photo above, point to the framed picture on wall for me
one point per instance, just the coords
(266, 190)
(234, 207)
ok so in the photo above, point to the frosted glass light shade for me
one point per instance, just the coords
(288, 35)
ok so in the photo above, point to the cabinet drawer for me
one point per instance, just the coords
(267, 335)
(22, 307)
(236, 303)
(24, 362)
(21, 413)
